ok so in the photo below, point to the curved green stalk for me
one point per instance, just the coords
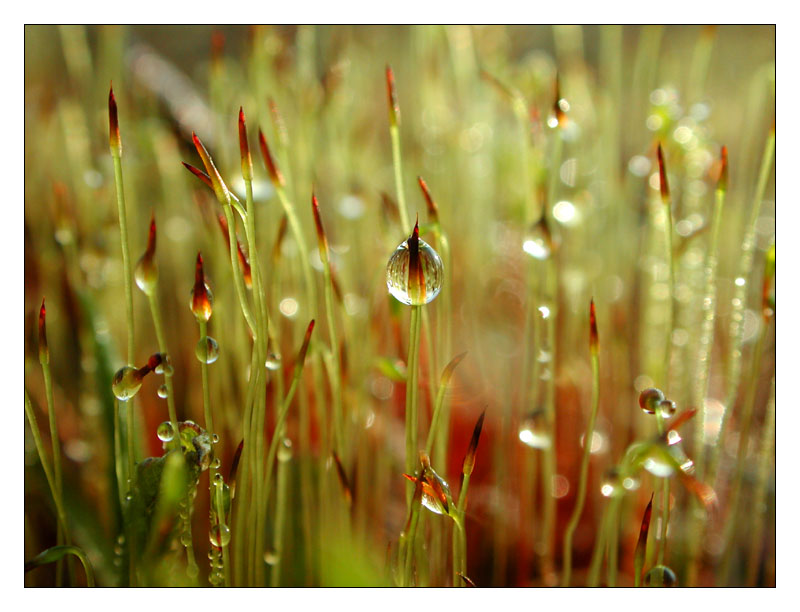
(411, 395)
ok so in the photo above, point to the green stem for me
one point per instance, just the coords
(336, 379)
(662, 539)
(221, 519)
(40, 448)
(584, 471)
(281, 504)
(126, 257)
(741, 454)
(460, 533)
(397, 163)
(412, 374)
(162, 347)
(739, 301)
(600, 546)
(766, 457)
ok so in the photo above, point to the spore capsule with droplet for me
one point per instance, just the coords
(401, 270)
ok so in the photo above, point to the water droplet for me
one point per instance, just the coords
(397, 272)
(631, 484)
(273, 362)
(126, 383)
(288, 307)
(658, 466)
(611, 485)
(661, 575)
(163, 392)
(285, 450)
(220, 535)
(207, 350)
(215, 439)
(271, 557)
(667, 408)
(215, 465)
(165, 432)
(649, 399)
(165, 367)
(537, 242)
(218, 478)
(533, 431)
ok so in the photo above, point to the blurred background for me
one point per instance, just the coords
(476, 108)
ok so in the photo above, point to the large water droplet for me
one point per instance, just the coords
(207, 350)
(220, 535)
(165, 432)
(658, 466)
(271, 557)
(611, 485)
(285, 450)
(126, 383)
(660, 575)
(165, 367)
(163, 392)
(666, 408)
(397, 272)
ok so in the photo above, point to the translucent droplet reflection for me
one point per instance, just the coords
(397, 272)
(660, 575)
(163, 392)
(126, 383)
(165, 432)
(220, 535)
(207, 350)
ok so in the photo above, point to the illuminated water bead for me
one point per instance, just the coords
(207, 350)
(661, 575)
(537, 242)
(273, 362)
(126, 383)
(649, 400)
(163, 392)
(165, 432)
(414, 278)
(220, 535)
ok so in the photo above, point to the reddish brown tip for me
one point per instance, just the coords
(433, 210)
(202, 303)
(244, 148)
(722, 183)
(391, 94)
(592, 327)
(679, 420)
(469, 459)
(274, 173)
(322, 240)
(234, 468)
(114, 140)
(466, 580)
(199, 174)
(44, 351)
(450, 368)
(641, 544)
(416, 275)
(662, 175)
(301, 356)
(558, 111)
(348, 492)
(151, 236)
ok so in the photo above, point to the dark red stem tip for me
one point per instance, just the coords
(114, 140)
(722, 183)
(44, 351)
(593, 341)
(662, 175)
(469, 458)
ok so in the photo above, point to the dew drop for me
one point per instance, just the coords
(537, 242)
(207, 350)
(611, 485)
(273, 362)
(126, 383)
(397, 271)
(215, 438)
(163, 392)
(533, 432)
(165, 432)
(285, 450)
(657, 466)
(146, 275)
(649, 400)
(661, 575)
(215, 465)
(271, 557)
(667, 408)
(220, 535)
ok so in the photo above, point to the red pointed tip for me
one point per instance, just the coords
(44, 351)
(593, 340)
(722, 183)
(391, 94)
(433, 211)
(415, 234)
(114, 139)
(199, 174)
(662, 175)
(274, 173)
(151, 235)
(241, 114)
(469, 459)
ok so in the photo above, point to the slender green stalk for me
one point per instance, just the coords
(600, 547)
(437, 410)
(666, 200)
(665, 494)
(587, 449)
(741, 455)
(116, 153)
(56, 553)
(162, 347)
(281, 503)
(739, 301)
(40, 448)
(760, 494)
(460, 533)
(411, 395)
(220, 502)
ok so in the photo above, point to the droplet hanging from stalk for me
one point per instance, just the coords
(146, 271)
(415, 271)
(202, 302)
